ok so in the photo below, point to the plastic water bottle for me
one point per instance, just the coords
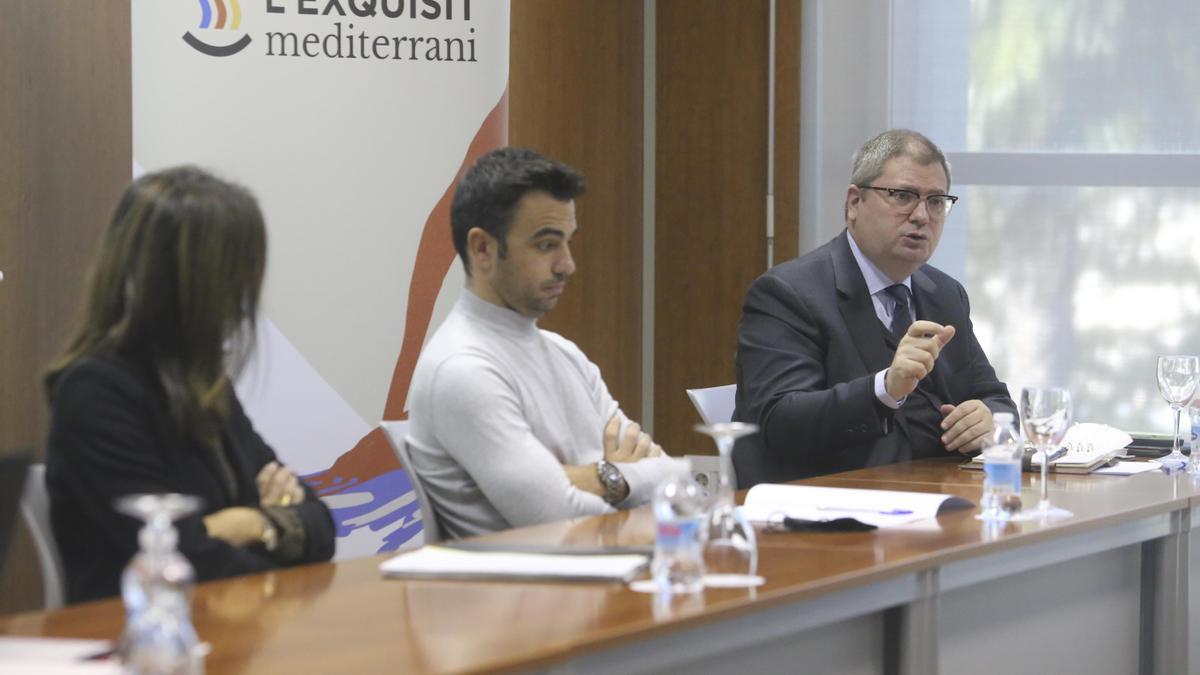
(1193, 466)
(1002, 470)
(681, 527)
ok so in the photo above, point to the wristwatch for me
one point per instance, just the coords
(615, 487)
(270, 536)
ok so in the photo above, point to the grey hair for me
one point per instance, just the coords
(868, 161)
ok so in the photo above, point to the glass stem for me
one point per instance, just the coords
(725, 450)
(1175, 452)
(1044, 502)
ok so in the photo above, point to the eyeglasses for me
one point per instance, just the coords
(938, 206)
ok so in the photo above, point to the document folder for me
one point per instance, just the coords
(446, 562)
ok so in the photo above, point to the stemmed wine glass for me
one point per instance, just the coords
(1045, 415)
(1177, 379)
(731, 554)
(156, 587)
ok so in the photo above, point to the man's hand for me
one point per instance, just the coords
(967, 426)
(915, 355)
(631, 446)
(278, 486)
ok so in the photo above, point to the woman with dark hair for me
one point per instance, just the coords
(142, 401)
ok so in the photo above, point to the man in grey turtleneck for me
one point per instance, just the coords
(511, 425)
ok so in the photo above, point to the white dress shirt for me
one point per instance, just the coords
(885, 309)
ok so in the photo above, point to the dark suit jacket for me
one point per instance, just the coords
(809, 346)
(111, 435)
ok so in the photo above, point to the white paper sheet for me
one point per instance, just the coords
(446, 563)
(882, 508)
(1128, 468)
(1088, 443)
(51, 656)
(39, 667)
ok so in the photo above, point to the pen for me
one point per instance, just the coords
(1058, 453)
(105, 654)
(882, 512)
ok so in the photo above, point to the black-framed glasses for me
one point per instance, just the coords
(938, 206)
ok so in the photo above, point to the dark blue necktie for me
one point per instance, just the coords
(902, 316)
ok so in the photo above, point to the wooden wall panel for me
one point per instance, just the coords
(575, 93)
(787, 130)
(710, 211)
(65, 146)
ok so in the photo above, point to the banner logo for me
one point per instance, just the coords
(228, 19)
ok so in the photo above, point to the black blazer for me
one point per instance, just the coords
(809, 346)
(111, 435)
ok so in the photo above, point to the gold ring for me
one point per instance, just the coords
(286, 500)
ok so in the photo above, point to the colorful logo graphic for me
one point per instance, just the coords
(384, 504)
(226, 19)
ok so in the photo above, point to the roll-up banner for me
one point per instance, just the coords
(351, 121)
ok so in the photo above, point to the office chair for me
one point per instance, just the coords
(395, 431)
(35, 511)
(14, 466)
(715, 404)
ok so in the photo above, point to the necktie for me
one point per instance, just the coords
(902, 316)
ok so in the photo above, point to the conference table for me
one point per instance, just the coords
(1108, 590)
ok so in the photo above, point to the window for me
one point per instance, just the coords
(1073, 131)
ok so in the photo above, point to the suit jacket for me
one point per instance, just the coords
(809, 346)
(111, 435)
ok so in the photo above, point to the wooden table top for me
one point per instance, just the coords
(344, 617)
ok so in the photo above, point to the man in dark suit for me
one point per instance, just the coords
(858, 353)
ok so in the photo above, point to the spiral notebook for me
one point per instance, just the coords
(1086, 447)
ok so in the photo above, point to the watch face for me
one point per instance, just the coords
(610, 475)
(614, 483)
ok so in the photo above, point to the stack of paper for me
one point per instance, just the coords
(441, 562)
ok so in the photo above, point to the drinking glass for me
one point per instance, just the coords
(1045, 416)
(156, 587)
(731, 554)
(1177, 377)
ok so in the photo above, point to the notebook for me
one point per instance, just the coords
(1086, 447)
(449, 562)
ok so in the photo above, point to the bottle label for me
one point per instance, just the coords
(1003, 475)
(676, 534)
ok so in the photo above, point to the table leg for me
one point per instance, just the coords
(1164, 613)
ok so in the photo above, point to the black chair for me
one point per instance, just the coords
(13, 468)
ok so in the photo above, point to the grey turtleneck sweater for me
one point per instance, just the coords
(497, 407)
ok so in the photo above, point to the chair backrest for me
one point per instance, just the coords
(715, 404)
(395, 431)
(35, 510)
(14, 466)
